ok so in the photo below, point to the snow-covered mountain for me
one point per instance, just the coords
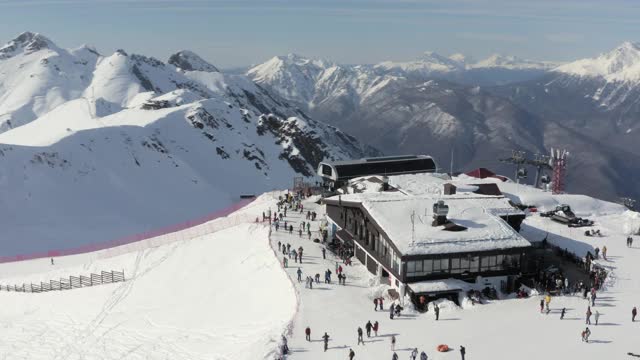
(427, 106)
(621, 64)
(599, 97)
(119, 144)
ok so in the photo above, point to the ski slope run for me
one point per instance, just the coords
(218, 296)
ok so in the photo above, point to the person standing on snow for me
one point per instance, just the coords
(414, 354)
(463, 351)
(562, 313)
(634, 312)
(604, 252)
(375, 304)
(394, 356)
(393, 343)
(375, 328)
(541, 305)
(360, 339)
(423, 356)
(585, 335)
(324, 253)
(391, 311)
(381, 303)
(299, 275)
(325, 338)
(588, 320)
(307, 333)
(437, 310)
(351, 354)
(368, 327)
(596, 316)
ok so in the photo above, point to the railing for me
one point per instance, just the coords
(72, 282)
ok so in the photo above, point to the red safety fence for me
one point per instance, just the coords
(130, 239)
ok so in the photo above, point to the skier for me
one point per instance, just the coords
(307, 333)
(588, 321)
(279, 246)
(368, 327)
(310, 282)
(51, 261)
(547, 300)
(381, 303)
(437, 310)
(423, 356)
(344, 279)
(604, 252)
(290, 229)
(325, 337)
(597, 251)
(414, 354)
(393, 343)
(541, 305)
(463, 351)
(562, 313)
(324, 253)
(299, 275)
(299, 232)
(394, 357)
(391, 311)
(593, 299)
(596, 316)
(351, 354)
(317, 278)
(585, 335)
(375, 303)
(630, 241)
(285, 262)
(634, 312)
(360, 340)
(375, 328)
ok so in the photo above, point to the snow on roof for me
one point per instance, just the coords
(435, 286)
(417, 193)
(485, 231)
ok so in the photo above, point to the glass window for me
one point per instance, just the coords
(492, 261)
(444, 265)
(474, 264)
(464, 263)
(418, 266)
(411, 267)
(427, 266)
(436, 265)
(484, 263)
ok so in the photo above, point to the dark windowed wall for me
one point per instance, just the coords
(463, 266)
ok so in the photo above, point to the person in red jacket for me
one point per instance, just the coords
(307, 333)
(375, 328)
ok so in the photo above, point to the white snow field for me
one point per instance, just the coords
(224, 296)
(216, 296)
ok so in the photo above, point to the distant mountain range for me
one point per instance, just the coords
(476, 112)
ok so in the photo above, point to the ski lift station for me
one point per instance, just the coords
(428, 235)
(337, 174)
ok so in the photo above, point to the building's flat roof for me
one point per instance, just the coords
(377, 159)
(393, 212)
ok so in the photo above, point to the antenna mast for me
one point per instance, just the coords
(559, 163)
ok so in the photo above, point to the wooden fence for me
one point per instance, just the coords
(72, 282)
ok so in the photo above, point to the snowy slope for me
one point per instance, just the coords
(191, 299)
(145, 145)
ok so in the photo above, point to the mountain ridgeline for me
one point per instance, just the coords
(474, 113)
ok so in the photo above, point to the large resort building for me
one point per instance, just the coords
(428, 235)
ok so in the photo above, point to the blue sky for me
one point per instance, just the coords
(242, 32)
